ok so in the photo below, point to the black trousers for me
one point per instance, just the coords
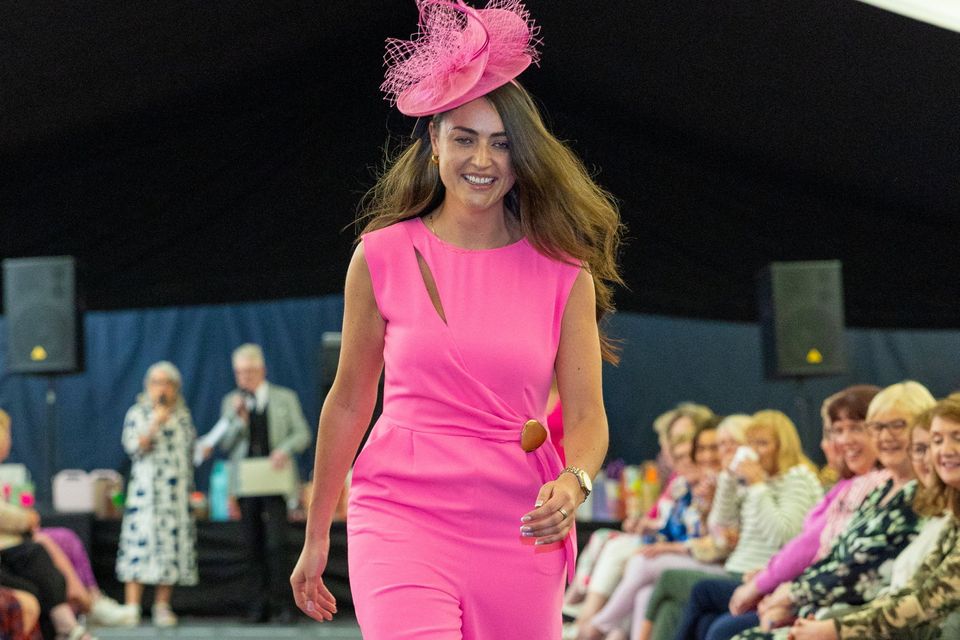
(264, 520)
(28, 567)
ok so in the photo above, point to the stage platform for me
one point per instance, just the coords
(343, 627)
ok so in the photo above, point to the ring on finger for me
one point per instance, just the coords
(563, 513)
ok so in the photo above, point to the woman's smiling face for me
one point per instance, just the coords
(855, 443)
(891, 438)
(945, 450)
(473, 152)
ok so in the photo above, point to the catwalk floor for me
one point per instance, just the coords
(209, 628)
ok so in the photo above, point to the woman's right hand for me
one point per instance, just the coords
(309, 592)
(745, 598)
(161, 413)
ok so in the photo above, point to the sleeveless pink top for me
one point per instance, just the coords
(486, 370)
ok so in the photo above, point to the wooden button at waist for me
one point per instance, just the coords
(532, 436)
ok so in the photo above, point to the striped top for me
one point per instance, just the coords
(727, 499)
(772, 514)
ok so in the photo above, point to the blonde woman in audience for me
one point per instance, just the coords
(918, 608)
(885, 523)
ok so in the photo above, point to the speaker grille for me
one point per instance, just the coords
(39, 299)
(801, 316)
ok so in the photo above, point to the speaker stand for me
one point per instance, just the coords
(44, 488)
(809, 435)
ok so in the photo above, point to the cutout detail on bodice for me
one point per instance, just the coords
(431, 286)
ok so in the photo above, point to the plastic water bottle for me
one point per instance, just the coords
(219, 492)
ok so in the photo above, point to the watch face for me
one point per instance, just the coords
(587, 483)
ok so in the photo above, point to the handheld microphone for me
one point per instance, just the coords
(249, 400)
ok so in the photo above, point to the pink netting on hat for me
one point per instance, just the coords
(456, 44)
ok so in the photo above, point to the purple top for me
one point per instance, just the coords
(799, 553)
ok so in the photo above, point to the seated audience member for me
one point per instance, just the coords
(723, 523)
(884, 524)
(832, 471)
(917, 608)
(26, 565)
(609, 567)
(651, 559)
(723, 606)
(667, 426)
(781, 487)
(70, 558)
(608, 550)
(19, 614)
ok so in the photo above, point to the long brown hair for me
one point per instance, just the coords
(562, 212)
(947, 409)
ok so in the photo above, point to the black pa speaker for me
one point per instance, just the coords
(39, 299)
(801, 318)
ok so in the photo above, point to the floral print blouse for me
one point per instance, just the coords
(851, 573)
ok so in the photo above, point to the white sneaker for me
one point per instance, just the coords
(107, 612)
(124, 615)
(163, 616)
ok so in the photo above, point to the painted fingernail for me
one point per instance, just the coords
(538, 503)
(526, 529)
(526, 519)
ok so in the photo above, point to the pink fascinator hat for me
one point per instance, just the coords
(458, 54)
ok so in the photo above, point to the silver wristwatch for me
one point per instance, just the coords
(586, 485)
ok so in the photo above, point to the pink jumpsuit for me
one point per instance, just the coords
(435, 550)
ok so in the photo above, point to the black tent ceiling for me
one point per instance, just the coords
(192, 152)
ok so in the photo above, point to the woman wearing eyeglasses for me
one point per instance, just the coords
(916, 608)
(881, 528)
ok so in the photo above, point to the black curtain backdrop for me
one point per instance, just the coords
(191, 152)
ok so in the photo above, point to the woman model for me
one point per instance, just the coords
(158, 535)
(482, 272)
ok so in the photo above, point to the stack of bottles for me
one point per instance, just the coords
(622, 491)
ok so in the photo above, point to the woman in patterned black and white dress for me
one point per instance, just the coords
(158, 535)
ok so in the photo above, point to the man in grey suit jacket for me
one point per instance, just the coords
(264, 419)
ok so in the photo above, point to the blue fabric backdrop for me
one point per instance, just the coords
(669, 360)
(665, 360)
(120, 345)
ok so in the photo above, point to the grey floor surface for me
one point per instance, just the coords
(342, 628)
